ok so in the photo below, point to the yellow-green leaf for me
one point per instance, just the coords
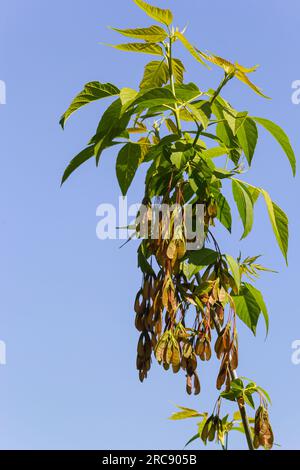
(243, 78)
(247, 136)
(281, 137)
(156, 74)
(234, 119)
(158, 14)
(153, 33)
(92, 91)
(185, 413)
(127, 95)
(127, 164)
(235, 270)
(260, 302)
(201, 112)
(192, 50)
(247, 308)
(81, 158)
(215, 152)
(279, 223)
(178, 70)
(214, 59)
(147, 48)
(244, 202)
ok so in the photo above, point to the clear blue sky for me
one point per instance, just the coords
(65, 297)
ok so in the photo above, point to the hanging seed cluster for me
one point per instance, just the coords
(175, 315)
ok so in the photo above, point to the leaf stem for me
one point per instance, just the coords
(172, 83)
(224, 82)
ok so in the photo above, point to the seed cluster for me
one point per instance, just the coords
(175, 315)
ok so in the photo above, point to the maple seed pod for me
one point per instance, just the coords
(139, 307)
(189, 387)
(168, 353)
(172, 250)
(207, 351)
(160, 350)
(146, 290)
(206, 428)
(197, 386)
(223, 373)
(263, 434)
(181, 249)
(187, 350)
(140, 348)
(234, 360)
(139, 322)
(175, 357)
(191, 364)
(212, 210)
(219, 349)
(212, 432)
(220, 313)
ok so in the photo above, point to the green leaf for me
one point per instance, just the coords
(224, 132)
(190, 48)
(279, 223)
(281, 138)
(81, 158)
(237, 385)
(111, 125)
(252, 190)
(186, 91)
(150, 98)
(158, 14)
(156, 74)
(260, 302)
(235, 270)
(148, 48)
(237, 416)
(221, 173)
(244, 204)
(247, 136)
(144, 264)
(214, 152)
(127, 164)
(249, 399)
(153, 33)
(178, 70)
(202, 113)
(178, 159)
(203, 257)
(186, 413)
(224, 211)
(235, 120)
(228, 395)
(194, 438)
(247, 308)
(190, 270)
(92, 91)
(127, 95)
(265, 393)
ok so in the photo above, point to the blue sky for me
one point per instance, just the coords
(66, 298)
